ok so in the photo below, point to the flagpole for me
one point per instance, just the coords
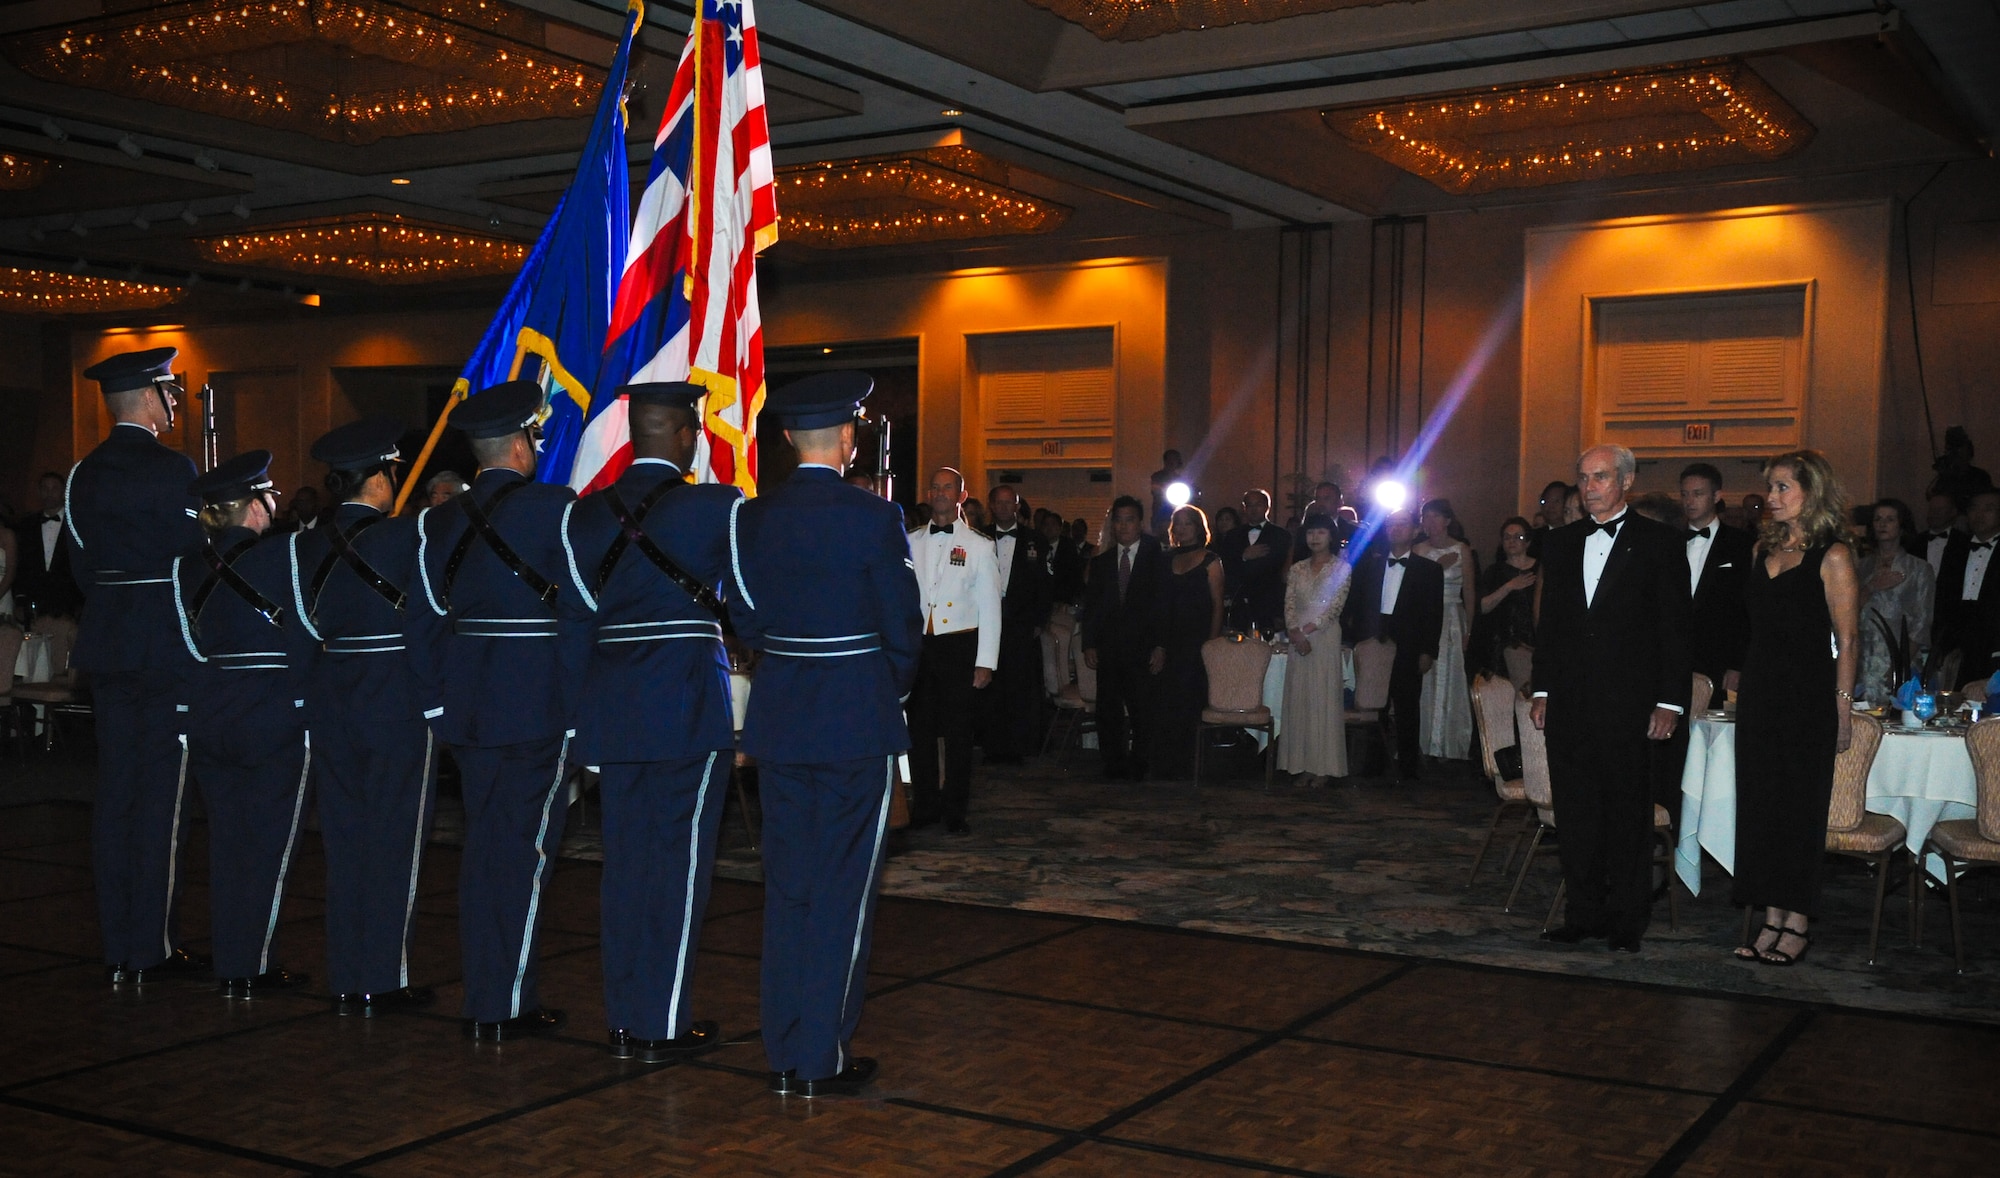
(459, 392)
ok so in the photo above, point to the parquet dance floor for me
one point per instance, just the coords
(1011, 1042)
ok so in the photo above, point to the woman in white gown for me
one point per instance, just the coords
(1315, 740)
(1446, 708)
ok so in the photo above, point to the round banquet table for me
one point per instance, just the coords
(1920, 778)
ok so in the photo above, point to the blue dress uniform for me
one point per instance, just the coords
(825, 589)
(127, 515)
(243, 698)
(375, 758)
(502, 640)
(654, 717)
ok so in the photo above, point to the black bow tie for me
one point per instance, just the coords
(1693, 532)
(1941, 535)
(945, 528)
(1591, 527)
(1981, 545)
(1400, 561)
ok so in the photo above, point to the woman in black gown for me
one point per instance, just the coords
(1793, 711)
(1191, 614)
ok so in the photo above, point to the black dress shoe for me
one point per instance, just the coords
(700, 1037)
(368, 1005)
(956, 826)
(782, 1083)
(539, 1021)
(263, 983)
(851, 1080)
(180, 965)
(1570, 934)
(1625, 942)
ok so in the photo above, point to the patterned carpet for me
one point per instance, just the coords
(1370, 864)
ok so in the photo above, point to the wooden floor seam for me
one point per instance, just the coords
(154, 1131)
(1695, 1135)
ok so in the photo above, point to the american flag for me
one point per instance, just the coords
(686, 307)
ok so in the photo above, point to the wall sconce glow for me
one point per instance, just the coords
(1391, 495)
(1178, 495)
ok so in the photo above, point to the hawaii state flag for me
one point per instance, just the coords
(686, 302)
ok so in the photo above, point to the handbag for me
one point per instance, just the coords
(1508, 762)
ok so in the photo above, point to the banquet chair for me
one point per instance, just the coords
(11, 639)
(1976, 690)
(1374, 660)
(1236, 670)
(1535, 777)
(1851, 830)
(61, 634)
(64, 697)
(1966, 844)
(1075, 703)
(1493, 713)
(1704, 694)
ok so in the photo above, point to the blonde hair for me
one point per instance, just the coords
(217, 518)
(1823, 517)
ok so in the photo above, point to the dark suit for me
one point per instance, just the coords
(46, 586)
(1124, 631)
(1414, 627)
(1718, 634)
(129, 516)
(1605, 663)
(1969, 627)
(1015, 702)
(1256, 588)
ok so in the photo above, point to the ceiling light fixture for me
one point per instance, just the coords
(951, 112)
(941, 194)
(400, 180)
(1137, 20)
(1675, 119)
(371, 246)
(19, 172)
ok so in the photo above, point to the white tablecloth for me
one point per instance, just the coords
(1917, 779)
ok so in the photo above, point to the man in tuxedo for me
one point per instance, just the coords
(1121, 636)
(1968, 592)
(1718, 558)
(1550, 515)
(1015, 711)
(1254, 559)
(1940, 525)
(1399, 598)
(44, 581)
(1612, 672)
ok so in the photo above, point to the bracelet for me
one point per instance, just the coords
(1846, 695)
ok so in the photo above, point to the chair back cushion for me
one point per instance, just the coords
(1975, 690)
(1374, 660)
(1086, 675)
(1850, 775)
(1235, 673)
(1534, 758)
(1983, 742)
(1055, 661)
(1704, 691)
(1493, 709)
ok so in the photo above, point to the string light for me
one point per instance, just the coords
(51, 292)
(941, 194)
(18, 172)
(376, 247)
(352, 71)
(1136, 20)
(1675, 119)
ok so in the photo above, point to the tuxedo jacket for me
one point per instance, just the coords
(1970, 626)
(48, 585)
(1028, 592)
(1419, 616)
(1128, 630)
(1259, 584)
(1721, 621)
(1611, 660)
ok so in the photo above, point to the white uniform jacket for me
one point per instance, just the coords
(958, 584)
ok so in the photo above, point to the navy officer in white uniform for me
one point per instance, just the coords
(649, 556)
(501, 637)
(127, 515)
(375, 755)
(824, 590)
(958, 582)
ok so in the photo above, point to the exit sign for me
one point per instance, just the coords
(1052, 449)
(1697, 432)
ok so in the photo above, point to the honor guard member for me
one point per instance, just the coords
(127, 514)
(824, 588)
(245, 735)
(375, 756)
(502, 641)
(649, 554)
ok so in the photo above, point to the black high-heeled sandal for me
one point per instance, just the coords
(1777, 957)
(1748, 950)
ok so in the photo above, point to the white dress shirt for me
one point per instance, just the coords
(958, 581)
(1698, 546)
(52, 526)
(1596, 552)
(1976, 563)
(1934, 544)
(1392, 583)
(1004, 546)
